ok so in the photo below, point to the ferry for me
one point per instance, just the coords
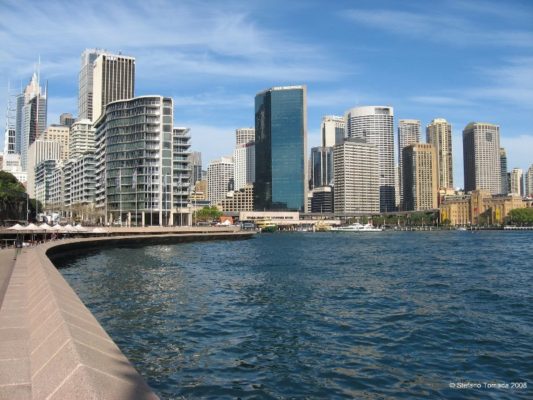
(357, 227)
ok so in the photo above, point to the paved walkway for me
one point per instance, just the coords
(7, 263)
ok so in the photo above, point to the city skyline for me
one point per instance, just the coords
(214, 72)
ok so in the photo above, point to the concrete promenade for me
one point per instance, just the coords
(51, 346)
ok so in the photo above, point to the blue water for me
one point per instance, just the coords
(324, 315)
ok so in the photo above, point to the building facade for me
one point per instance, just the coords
(195, 161)
(81, 138)
(60, 134)
(322, 200)
(281, 141)
(244, 164)
(181, 175)
(357, 183)
(333, 130)
(244, 135)
(481, 157)
(39, 151)
(321, 166)
(45, 176)
(85, 83)
(137, 162)
(439, 134)
(220, 179)
(375, 124)
(239, 200)
(516, 182)
(80, 186)
(66, 119)
(503, 171)
(408, 134)
(420, 177)
(113, 79)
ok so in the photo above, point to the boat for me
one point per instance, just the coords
(357, 227)
(461, 228)
(267, 226)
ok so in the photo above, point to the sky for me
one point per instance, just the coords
(463, 60)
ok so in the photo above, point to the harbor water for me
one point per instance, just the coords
(321, 315)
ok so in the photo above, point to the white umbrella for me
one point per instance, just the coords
(80, 228)
(46, 227)
(16, 227)
(69, 228)
(32, 227)
(99, 230)
(58, 228)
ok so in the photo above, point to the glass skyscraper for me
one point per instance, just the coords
(281, 142)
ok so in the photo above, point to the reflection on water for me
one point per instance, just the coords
(393, 315)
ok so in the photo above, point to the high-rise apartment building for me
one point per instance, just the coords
(113, 79)
(503, 171)
(81, 138)
(481, 157)
(60, 134)
(280, 149)
(321, 166)
(420, 177)
(333, 130)
(220, 179)
(139, 163)
(31, 118)
(244, 165)
(181, 184)
(516, 182)
(40, 150)
(408, 134)
(529, 182)
(375, 124)
(244, 135)
(357, 183)
(80, 183)
(439, 134)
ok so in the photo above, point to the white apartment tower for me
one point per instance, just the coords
(244, 158)
(481, 157)
(244, 135)
(333, 130)
(529, 182)
(113, 79)
(219, 179)
(375, 124)
(81, 138)
(516, 181)
(408, 134)
(439, 134)
(356, 175)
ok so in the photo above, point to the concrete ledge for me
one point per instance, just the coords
(51, 346)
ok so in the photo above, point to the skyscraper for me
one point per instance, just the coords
(66, 119)
(420, 177)
(219, 179)
(195, 161)
(244, 157)
(357, 184)
(516, 182)
(503, 171)
(85, 82)
(113, 79)
(81, 138)
(244, 135)
(481, 157)
(333, 130)
(321, 166)
(408, 134)
(375, 124)
(529, 182)
(32, 114)
(280, 148)
(439, 134)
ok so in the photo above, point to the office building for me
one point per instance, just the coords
(244, 135)
(529, 182)
(481, 157)
(40, 150)
(113, 79)
(81, 138)
(195, 161)
(516, 182)
(66, 119)
(321, 166)
(244, 164)
(439, 134)
(408, 134)
(333, 130)
(85, 83)
(31, 117)
(220, 179)
(60, 134)
(239, 200)
(357, 183)
(138, 162)
(322, 200)
(281, 181)
(375, 124)
(503, 171)
(420, 177)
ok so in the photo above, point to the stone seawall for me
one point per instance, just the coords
(51, 346)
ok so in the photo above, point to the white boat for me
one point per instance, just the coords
(357, 227)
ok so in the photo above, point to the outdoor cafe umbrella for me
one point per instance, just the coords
(16, 227)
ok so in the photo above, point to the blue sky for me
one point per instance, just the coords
(460, 60)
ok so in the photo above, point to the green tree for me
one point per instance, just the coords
(13, 199)
(520, 217)
(207, 214)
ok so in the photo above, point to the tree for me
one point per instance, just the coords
(520, 217)
(207, 214)
(13, 199)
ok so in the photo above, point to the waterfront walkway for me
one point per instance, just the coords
(51, 346)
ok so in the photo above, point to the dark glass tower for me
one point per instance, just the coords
(280, 149)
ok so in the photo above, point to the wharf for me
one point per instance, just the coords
(51, 346)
